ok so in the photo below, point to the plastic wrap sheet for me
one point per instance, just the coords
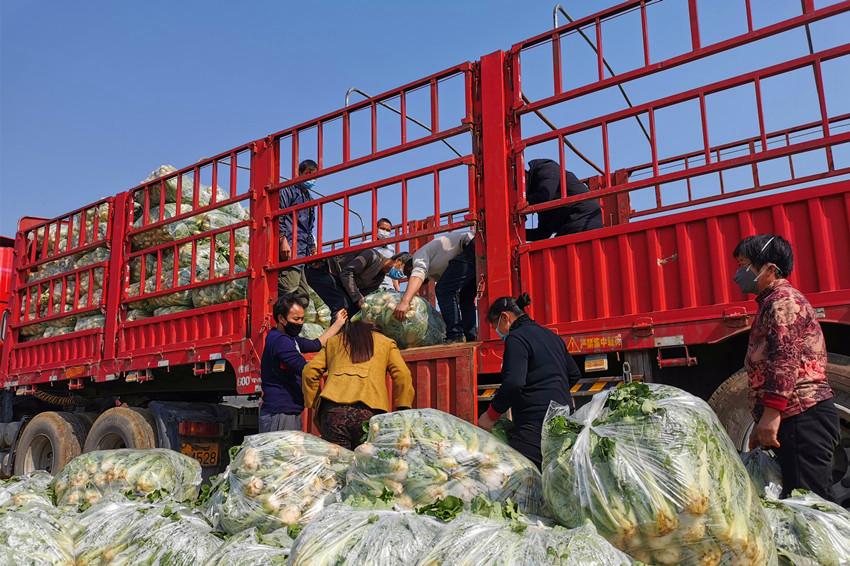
(123, 533)
(252, 548)
(154, 474)
(275, 480)
(809, 531)
(34, 537)
(654, 470)
(421, 455)
(23, 491)
(342, 535)
(423, 326)
(765, 472)
(471, 540)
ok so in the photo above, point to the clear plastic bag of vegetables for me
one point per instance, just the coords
(654, 470)
(423, 326)
(809, 530)
(89, 322)
(473, 540)
(22, 491)
(276, 480)
(765, 472)
(311, 331)
(343, 535)
(421, 455)
(123, 533)
(34, 537)
(153, 474)
(234, 290)
(252, 548)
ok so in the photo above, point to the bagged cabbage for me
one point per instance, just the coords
(423, 326)
(123, 533)
(89, 322)
(234, 290)
(654, 470)
(317, 312)
(809, 530)
(342, 535)
(169, 310)
(23, 491)
(472, 540)
(33, 537)
(765, 472)
(154, 474)
(421, 455)
(97, 255)
(251, 548)
(137, 314)
(53, 332)
(176, 299)
(276, 480)
(312, 331)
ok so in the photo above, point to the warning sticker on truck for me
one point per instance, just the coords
(580, 344)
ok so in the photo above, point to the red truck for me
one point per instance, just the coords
(139, 320)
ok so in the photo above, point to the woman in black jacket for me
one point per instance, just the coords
(536, 370)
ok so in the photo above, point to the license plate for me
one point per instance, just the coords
(207, 453)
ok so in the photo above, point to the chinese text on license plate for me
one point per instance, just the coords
(207, 453)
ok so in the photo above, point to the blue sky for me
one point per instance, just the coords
(94, 95)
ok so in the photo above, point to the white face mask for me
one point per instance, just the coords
(384, 234)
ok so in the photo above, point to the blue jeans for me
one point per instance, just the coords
(456, 295)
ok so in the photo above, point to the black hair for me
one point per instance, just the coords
(767, 248)
(358, 341)
(284, 304)
(307, 165)
(387, 220)
(405, 258)
(508, 304)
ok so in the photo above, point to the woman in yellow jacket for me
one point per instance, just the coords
(356, 361)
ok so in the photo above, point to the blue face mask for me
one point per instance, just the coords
(309, 184)
(396, 273)
(502, 335)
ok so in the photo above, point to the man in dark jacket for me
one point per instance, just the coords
(343, 281)
(543, 184)
(292, 279)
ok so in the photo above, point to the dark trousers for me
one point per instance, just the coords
(343, 424)
(528, 445)
(328, 287)
(807, 445)
(456, 295)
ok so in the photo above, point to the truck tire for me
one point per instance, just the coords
(49, 441)
(3, 444)
(731, 404)
(122, 427)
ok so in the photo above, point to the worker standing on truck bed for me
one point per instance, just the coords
(536, 370)
(543, 184)
(790, 396)
(343, 281)
(292, 279)
(282, 363)
(357, 362)
(450, 261)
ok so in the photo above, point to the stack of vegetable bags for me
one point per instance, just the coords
(25, 491)
(121, 532)
(653, 469)
(154, 474)
(342, 535)
(252, 548)
(275, 480)
(423, 326)
(809, 531)
(421, 455)
(34, 535)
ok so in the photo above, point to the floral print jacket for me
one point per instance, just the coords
(786, 356)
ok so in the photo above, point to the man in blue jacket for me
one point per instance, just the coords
(292, 279)
(282, 362)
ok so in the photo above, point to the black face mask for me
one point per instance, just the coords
(293, 329)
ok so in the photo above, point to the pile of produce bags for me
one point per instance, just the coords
(423, 325)
(421, 455)
(252, 548)
(809, 531)
(276, 480)
(653, 469)
(153, 474)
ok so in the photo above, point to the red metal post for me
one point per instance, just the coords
(263, 233)
(114, 280)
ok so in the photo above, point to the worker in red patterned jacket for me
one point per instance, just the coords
(790, 396)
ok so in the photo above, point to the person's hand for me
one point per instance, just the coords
(401, 310)
(285, 249)
(764, 435)
(340, 319)
(486, 422)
